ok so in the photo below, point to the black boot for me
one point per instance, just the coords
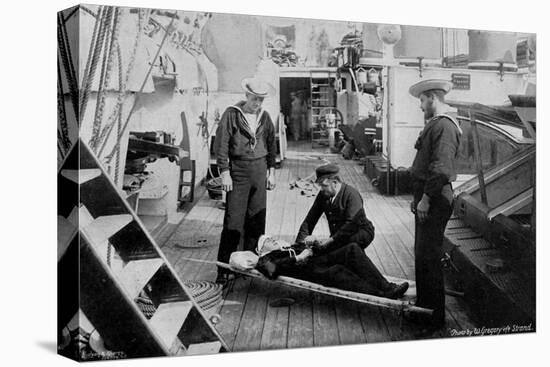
(395, 291)
(224, 277)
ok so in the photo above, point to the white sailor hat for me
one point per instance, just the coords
(431, 84)
(257, 87)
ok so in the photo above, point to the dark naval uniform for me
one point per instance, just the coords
(343, 264)
(346, 217)
(433, 170)
(247, 155)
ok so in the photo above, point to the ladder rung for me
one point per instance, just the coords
(65, 234)
(80, 320)
(102, 228)
(81, 176)
(168, 320)
(203, 348)
(136, 274)
(81, 217)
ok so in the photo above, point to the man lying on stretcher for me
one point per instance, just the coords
(339, 261)
(347, 268)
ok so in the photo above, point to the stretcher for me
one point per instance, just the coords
(404, 305)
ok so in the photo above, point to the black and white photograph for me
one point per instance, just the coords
(230, 182)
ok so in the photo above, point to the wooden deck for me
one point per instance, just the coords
(247, 320)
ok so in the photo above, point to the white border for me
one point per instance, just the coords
(29, 183)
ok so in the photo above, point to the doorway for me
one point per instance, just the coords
(295, 96)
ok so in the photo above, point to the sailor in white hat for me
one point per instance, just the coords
(245, 154)
(433, 170)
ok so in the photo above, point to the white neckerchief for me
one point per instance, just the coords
(447, 113)
(258, 117)
(252, 120)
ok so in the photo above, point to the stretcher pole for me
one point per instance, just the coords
(404, 307)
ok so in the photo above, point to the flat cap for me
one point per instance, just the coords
(431, 84)
(326, 171)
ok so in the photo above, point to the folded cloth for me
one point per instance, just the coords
(243, 260)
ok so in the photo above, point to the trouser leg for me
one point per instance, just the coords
(430, 285)
(339, 276)
(254, 225)
(234, 216)
(353, 257)
(295, 127)
(303, 126)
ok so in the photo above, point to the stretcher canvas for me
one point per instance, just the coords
(387, 171)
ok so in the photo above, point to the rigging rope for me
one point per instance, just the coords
(63, 135)
(104, 76)
(65, 53)
(110, 156)
(91, 62)
(107, 129)
(119, 118)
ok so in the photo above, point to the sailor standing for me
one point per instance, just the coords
(433, 170)
(246, 152)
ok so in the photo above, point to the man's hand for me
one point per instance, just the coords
(423, 208)
(227, 181)
(270, 185)
(304, 255)
(324, 244)
(310, 240)
(413, 207)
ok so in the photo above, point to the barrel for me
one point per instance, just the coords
(488, 49)
(419, 42)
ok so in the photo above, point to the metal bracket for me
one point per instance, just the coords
(501, 70)
(447, 262)
(420, 65)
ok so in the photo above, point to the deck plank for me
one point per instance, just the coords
(275, 330)
(300, 318)
(350, 329)
(325, 325)
(232, 309)
(249, 334)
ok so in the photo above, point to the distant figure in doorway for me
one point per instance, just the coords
(433, 170)
(298, 111)
(246, 152)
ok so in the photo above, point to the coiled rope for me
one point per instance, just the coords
(206, 294)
